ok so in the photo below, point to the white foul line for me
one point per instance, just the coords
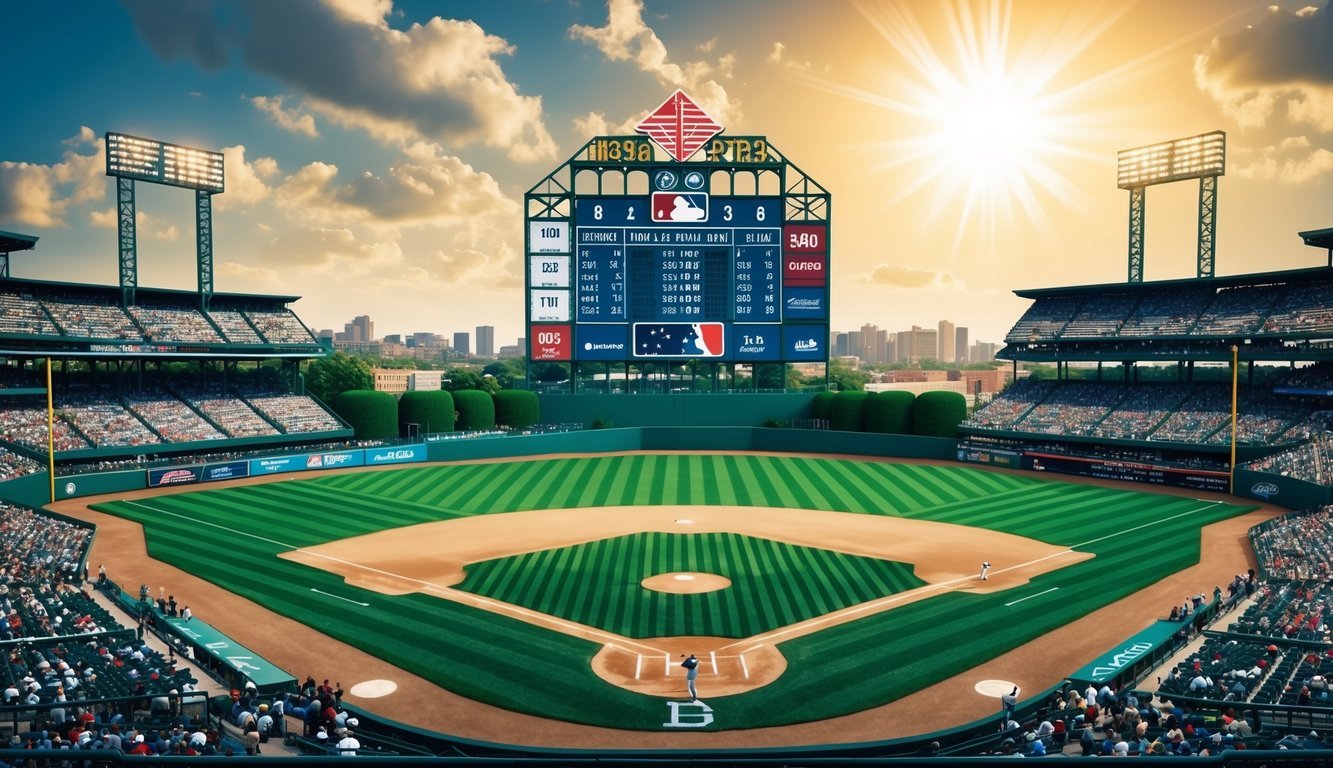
(1029, 597)
(340, 597)
(638, 665)
(745, 668)
(712, 655)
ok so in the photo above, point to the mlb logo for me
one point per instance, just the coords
(680, 206)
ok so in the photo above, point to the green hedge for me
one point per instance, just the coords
(516, 408)
(848, 413)
(819, 407)
(890, 412)
(937, 414)
(431, 411)
(476, 410)
(374, 415)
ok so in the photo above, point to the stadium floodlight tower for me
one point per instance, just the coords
(1201, 157)
(130, 159)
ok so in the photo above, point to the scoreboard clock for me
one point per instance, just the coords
(686, 269)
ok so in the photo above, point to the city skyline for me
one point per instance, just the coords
(970, 147)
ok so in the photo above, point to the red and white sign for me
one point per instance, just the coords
(679, 126)
(805, 238)
(550, 342)
(804, 269)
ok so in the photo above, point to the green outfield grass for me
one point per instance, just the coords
(773, 584)
(232, 536)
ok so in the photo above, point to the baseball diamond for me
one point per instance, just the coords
(303, 548)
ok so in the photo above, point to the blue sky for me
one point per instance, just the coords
(378, 151)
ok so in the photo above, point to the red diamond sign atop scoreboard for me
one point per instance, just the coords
(679, 126)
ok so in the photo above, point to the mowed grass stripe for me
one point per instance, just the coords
(853, 488)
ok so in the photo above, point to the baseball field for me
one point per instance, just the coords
(567, 588)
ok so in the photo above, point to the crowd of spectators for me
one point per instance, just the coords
(32, 313)
(1072, 410)
(106, 421)
(1200, 311)
(91, 320)
(295, 413)
(234, 326)
(1167, 313)
(14, 465)
(173, 419)
(1044, 319)
(1011, 405)
(231, 413)
(1297, 546)
(280, 327)
(23, 314)
(1141, 411)
(27, 426)
(174, 324)
(1308, 461)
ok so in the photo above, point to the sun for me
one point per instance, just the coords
(983, 123)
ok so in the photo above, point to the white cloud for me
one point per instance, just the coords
(596, 124)
(626, 37)
(438, 82)
(40, 195)
(1283, 60)
(907, 276)
(295, 119)
(246, 182)
(425, 187)
(169, 234)
(1294, 160)
(779, 56)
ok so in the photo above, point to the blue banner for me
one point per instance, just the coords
(804, 303)
(601, 342)
(173, 476)
(275, 464)
(756, 342)
(396, 455)
(226, 471)
(805, 342)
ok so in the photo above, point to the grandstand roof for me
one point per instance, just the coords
(160, 294)
(1309, 274)
(1319, 238)
(13, 241)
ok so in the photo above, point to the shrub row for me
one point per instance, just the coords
(379, 415)
(935, 414)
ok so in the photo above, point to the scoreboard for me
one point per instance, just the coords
(677, 274)
(679, 270)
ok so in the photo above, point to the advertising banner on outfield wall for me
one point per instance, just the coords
(397, 455)
(173, 476)
(275, 464)
(226, 471)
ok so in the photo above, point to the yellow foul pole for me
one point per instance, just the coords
(1235, 378)
(50, 433)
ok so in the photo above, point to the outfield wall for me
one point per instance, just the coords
(34, 491)
(751, 409)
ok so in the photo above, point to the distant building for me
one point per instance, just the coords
(902, 350)
(976, 382)
(839, 344)
(485, 341)
(511, 350)
(394, 338)
(362, 328)
(925, 344)
(960, 344)
(399, 380)
(462, 344)
(983, 352)
(945, 351)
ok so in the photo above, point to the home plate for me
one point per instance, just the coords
(373, 689)
(994, 688)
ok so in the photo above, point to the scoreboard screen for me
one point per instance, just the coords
(677, 273)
